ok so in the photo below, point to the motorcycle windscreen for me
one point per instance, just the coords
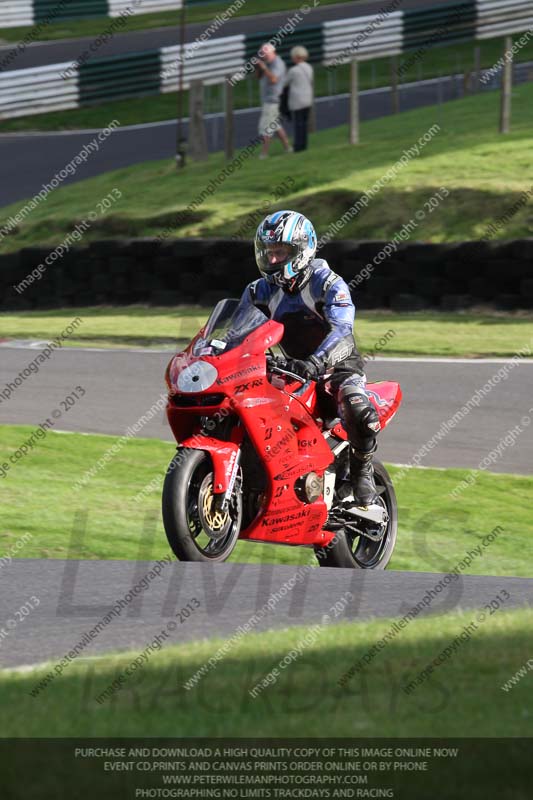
(227, 327)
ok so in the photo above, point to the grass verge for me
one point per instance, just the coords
(462, 698)
(465, 156)
(196, 12)
(417, 334)
(435, 534)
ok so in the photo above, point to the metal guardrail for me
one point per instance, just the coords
(116, 7)
(13, 14)
(500, 17)
(35, 91)
(61, 86)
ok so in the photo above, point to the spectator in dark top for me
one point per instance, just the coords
(271, 70)
(300, 80)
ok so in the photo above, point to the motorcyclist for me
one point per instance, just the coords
(316, 308)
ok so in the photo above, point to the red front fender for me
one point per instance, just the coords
(223, 455)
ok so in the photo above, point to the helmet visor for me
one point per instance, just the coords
(271, 258)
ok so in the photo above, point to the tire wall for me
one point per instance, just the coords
(121, 272)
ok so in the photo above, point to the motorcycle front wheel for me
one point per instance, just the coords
(196, 529)
(360, 552)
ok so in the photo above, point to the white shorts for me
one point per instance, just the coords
(270, 119)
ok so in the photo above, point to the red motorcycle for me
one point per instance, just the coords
(262, 456)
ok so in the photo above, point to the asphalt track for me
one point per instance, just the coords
(122, 385)
(75, 595)
(67, 50)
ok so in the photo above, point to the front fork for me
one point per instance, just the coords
(222, 500)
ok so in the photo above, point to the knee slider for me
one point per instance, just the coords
(359, 415)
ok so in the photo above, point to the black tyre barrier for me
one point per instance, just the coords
(449, 277)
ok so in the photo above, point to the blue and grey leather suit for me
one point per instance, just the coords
(318, 319)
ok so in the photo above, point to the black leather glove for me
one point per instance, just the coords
(308, 369)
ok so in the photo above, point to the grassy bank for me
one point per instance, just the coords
(462, 698)
(464, 155)
(435, 531)
(417, 334)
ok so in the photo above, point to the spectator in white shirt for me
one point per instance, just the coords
(271, 70)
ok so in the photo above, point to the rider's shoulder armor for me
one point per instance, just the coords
(326, 286)
(323, 288)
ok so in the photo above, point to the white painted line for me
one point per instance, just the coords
(35, 345)
(421, 466)
(25, 668)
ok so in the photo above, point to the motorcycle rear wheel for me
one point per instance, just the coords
(195, 529)
(359, 552)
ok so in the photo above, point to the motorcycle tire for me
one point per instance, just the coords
(195, 529)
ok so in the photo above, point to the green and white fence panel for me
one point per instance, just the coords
(440, 26)
(104, 79)
(310, 36)
(53, 10)
(63, 86)
(210, 61)
(389, 34)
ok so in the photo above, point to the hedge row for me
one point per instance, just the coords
(417, 276)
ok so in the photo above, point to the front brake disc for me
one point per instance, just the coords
(215, 522)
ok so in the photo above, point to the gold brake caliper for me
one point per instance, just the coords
(215, 518)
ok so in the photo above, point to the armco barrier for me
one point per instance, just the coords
(107, 78)
(15, 14)
(442, 276)
(42, 90)
(212, 59)
(493, 15)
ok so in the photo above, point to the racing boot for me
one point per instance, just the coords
(362, 476)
